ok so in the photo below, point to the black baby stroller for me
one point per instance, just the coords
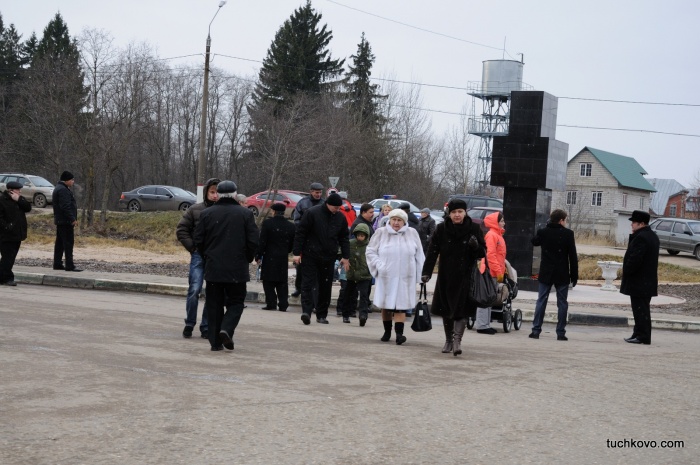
(504, 313)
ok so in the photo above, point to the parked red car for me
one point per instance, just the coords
(260, 202)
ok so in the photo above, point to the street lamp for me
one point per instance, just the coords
(205, 100)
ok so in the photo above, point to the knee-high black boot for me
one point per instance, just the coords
(449, 326)
(460, 325)
(387, 331)
(400, 338)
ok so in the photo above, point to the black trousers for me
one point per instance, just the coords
(219, 296)
(276, 291)
(65, 238)
(8, 254)
(642, 317)
(317, 277)
(351, 291)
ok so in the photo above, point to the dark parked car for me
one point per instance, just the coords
(35, 190)
(678, 235)
(479, 213)
(262, 201)
(157, 198)
(474, 201)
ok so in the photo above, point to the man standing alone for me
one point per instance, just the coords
(227, 238)
(558, 267)
(321, 232)
(65, 217)
(640, 275)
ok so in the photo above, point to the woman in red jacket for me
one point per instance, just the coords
(496, 258)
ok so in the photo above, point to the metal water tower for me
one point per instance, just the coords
(498, 79)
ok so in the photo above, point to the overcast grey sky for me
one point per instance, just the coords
(640, 51)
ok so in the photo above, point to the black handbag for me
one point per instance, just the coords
(484, 290)
(421, 320)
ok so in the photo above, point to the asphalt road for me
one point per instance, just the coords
(104, 377)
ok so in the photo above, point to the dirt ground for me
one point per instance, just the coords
(126, 260)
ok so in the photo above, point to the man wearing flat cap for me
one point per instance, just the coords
(276, 241)
(65, 217)
(13, 229)
(314, 198)
(226, 237)
(321, 232)
(640, 275)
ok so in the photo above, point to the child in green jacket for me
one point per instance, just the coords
(358, 276)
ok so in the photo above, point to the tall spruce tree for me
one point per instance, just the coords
(298, 59)
(362, 95)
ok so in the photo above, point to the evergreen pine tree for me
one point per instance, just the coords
(298, 59)
(362, 95)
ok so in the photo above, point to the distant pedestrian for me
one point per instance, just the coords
(347, 209)
(65, 217)
(321, 232)
(314, 198)
(395, 258)
(276, 241)
(558, 268)
(185, 234)
(227, 237)
(426, 228)
(640, 275)
(13, 229)
(383, 216)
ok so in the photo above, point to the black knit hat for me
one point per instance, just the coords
(67, 176)
(279, 207)
(334, 200)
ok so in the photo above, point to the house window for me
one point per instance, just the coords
(672, 210)
(597, 199)
(571, 197)
(586, 169)
(624, 200)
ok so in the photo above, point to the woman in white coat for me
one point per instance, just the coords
(395, 259)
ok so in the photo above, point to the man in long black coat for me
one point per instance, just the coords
(65, 217)
(13, 229)
(558, 268)
(227, 237)
(640, 275)
(276, 241)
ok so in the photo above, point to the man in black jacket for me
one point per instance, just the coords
(366, 217)
(640, 275)
(227, 237)
(65, 217)
(276, 241)
(314, 198)
(321, 232)
(13, 229)
(558, 267)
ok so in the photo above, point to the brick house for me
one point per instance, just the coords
(602, 190)
(675, 206)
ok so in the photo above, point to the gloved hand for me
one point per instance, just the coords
(499, 278)
(573, 283)
(425, 278)
(473, 243)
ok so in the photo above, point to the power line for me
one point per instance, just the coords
(647, 131)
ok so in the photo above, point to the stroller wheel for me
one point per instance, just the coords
(507, 321)
(470, 322)
(517, 319)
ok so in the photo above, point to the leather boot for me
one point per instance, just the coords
(460, 325)
(387, 331)
(448, 326)
(400, 338)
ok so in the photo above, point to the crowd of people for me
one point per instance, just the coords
(393, 252)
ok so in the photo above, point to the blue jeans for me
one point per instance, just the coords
(562, 306)
(196, 281)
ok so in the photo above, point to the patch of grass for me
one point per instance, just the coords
(588, 270)
(152, 231)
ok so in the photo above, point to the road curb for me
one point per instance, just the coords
(589, 319)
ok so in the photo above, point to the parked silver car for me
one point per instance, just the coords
(36, 190)
(678, 235)
(157, 198)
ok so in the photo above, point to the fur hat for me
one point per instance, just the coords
(638, 216)
(14, 185)
(279, 207)
(456, 204)
(67, 176)
(334, 200)
(400, 213)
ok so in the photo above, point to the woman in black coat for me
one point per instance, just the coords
(13, 229)
(276, 241)
(458, 243)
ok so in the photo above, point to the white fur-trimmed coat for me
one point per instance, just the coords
(395, 259)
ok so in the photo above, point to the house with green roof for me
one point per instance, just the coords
(602, 190)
